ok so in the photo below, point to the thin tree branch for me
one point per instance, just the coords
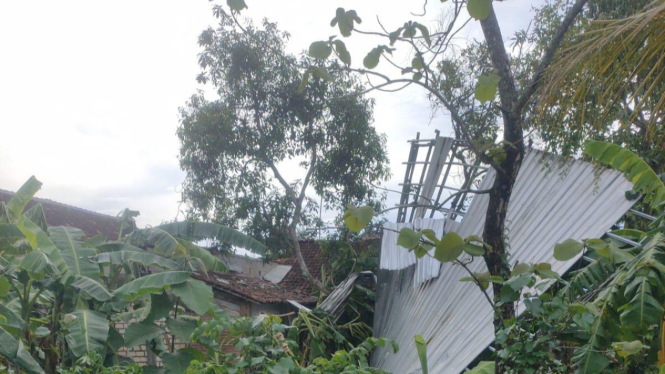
(477, 281)
(548, 56)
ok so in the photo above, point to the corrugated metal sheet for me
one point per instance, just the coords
(335, 302)
(276, 274)
(394, 257)
(551, 202)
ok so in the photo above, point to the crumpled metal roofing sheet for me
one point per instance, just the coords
(335, 302)
(394, 257)
(552, 201)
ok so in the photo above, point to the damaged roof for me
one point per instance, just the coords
(58, 214)
(314, 259)
(553, 200)
(293, 286)
(255, 289)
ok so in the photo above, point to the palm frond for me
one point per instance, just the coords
(614, 58)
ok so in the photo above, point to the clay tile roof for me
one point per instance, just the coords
(254, 289)
(314, 259)
(294, 286)
(311, 253)
(58, 214)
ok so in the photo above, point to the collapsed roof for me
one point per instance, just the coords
(552, 200)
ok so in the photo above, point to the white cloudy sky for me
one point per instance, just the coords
(89, 90)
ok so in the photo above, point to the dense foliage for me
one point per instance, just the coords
(606, 317)
(241, 149)
(264, 345)
(61, 294)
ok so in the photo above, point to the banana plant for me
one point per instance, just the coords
(620, 296)
(61, 295)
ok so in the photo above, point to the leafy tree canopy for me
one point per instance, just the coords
(237, 147)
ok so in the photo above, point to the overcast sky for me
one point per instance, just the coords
(90, 90)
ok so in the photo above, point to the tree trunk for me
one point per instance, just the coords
(301, 261)
(496, 257)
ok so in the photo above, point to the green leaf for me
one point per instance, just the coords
(236, 5)
(417, 63)
(567, 249)
(547, 274)
(473, 250)
(161, 306)
(8, 345)
(508, 294)
(449, 248)
(631, 234)
(37, 264)
(78, 259)
(345, 20)
(625, 349)
(196, 295)
(425, 33)
(421, 348)
(408, 238)
(152, 283)
(17, 203)
(409, 31)
(483, 367)
(430, 235)
(139, 333)
(320, 50)
(197, 231)
(88, 331)
(643, 309)
(181, 328)
(143, 258)
(177, 363)
(487, 87)
(37, 215)
(522, 268)
(42, 331)
(342, 52)
(90, 288)
(421, 250)
(322, 73)
(645, 180)
(4, 286)
(304, 81)
(357, 219)
(519, 281)
(39, 240)
(372, 59)
(13, 350)
(479, 9)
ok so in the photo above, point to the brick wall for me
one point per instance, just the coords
(234, 306)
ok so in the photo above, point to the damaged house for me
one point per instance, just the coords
(553, 200)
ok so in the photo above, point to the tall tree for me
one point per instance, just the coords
(581, 100)
(253, 154)
(428, 48)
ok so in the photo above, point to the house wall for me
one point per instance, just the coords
(272, 308)
(234, 306)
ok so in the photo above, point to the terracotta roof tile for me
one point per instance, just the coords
(58, 214)
(314, 259)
